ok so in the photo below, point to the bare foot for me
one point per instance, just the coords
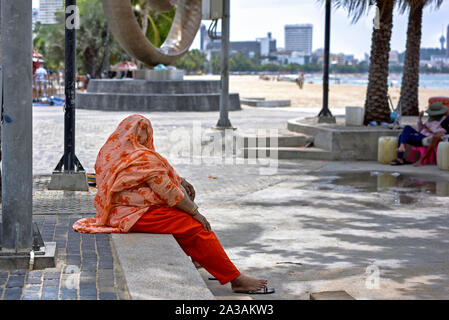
(244, 284)
(401, 148)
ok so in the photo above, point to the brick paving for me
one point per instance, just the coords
(86, 269)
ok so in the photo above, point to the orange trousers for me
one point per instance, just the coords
(201, 245)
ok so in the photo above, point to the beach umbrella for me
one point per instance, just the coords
(37, 55)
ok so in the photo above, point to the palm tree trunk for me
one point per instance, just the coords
(146, 12)
(376, 103)
(410, 77)
(90, 61)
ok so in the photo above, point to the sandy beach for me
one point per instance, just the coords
(340, 96)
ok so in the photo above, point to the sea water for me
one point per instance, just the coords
(432, 81)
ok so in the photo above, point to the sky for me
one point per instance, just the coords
(251, 19)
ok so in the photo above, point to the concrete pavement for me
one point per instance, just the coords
(296, 228)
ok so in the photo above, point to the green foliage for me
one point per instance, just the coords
(362, 67)
(426, 69)
(240, 63)
(91, 40)
(194, 61)
(92, 35)
(157, 24)
(215, 64)
(49, 40)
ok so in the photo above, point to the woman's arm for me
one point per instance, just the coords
(189, 207)
(420, 124)
(186, 204)
(189, 188)
(177, 197)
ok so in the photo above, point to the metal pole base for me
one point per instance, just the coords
(74, 179)
(69, 181)
(327, 119)
(325, 116)
(224, 124)
(44, 255)
(42, 259)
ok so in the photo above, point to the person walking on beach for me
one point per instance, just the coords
(300, 80)
(139, 191)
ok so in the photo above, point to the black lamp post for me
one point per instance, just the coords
(69, 174)
(224, 122)
(325, 114)
(69, 160)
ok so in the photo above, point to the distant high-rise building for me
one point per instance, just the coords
(267, 45)
(298, 37)
(47, 10)
(248, 48)
(442, 41)
(204, 38)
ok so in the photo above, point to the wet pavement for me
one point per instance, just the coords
(406, 188)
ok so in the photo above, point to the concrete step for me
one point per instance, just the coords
(283, 138)
(266, 103)
(331, 295)
(348, 143)
(288, 153)
(154, 102)
(153, 87)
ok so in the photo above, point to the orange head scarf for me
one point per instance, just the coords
(124, 165)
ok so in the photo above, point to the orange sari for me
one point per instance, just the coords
(131, 178)
(137, 190)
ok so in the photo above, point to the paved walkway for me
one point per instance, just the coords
(294, 228)
(87, 268)
(307, 235)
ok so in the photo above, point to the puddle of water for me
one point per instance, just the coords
(407, 189)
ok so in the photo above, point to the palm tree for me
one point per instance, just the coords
(410, 77)
(376, 103)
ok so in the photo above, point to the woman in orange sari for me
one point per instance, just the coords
(139, 191)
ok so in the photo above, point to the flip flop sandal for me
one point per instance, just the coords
(396, 162)
(213, 279)
(264, 290)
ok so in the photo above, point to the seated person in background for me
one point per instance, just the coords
(445, 123)
(437, 138)
(425, 134)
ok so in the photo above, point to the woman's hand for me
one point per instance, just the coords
(439, 135)
(189, 188)
(202, 219)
